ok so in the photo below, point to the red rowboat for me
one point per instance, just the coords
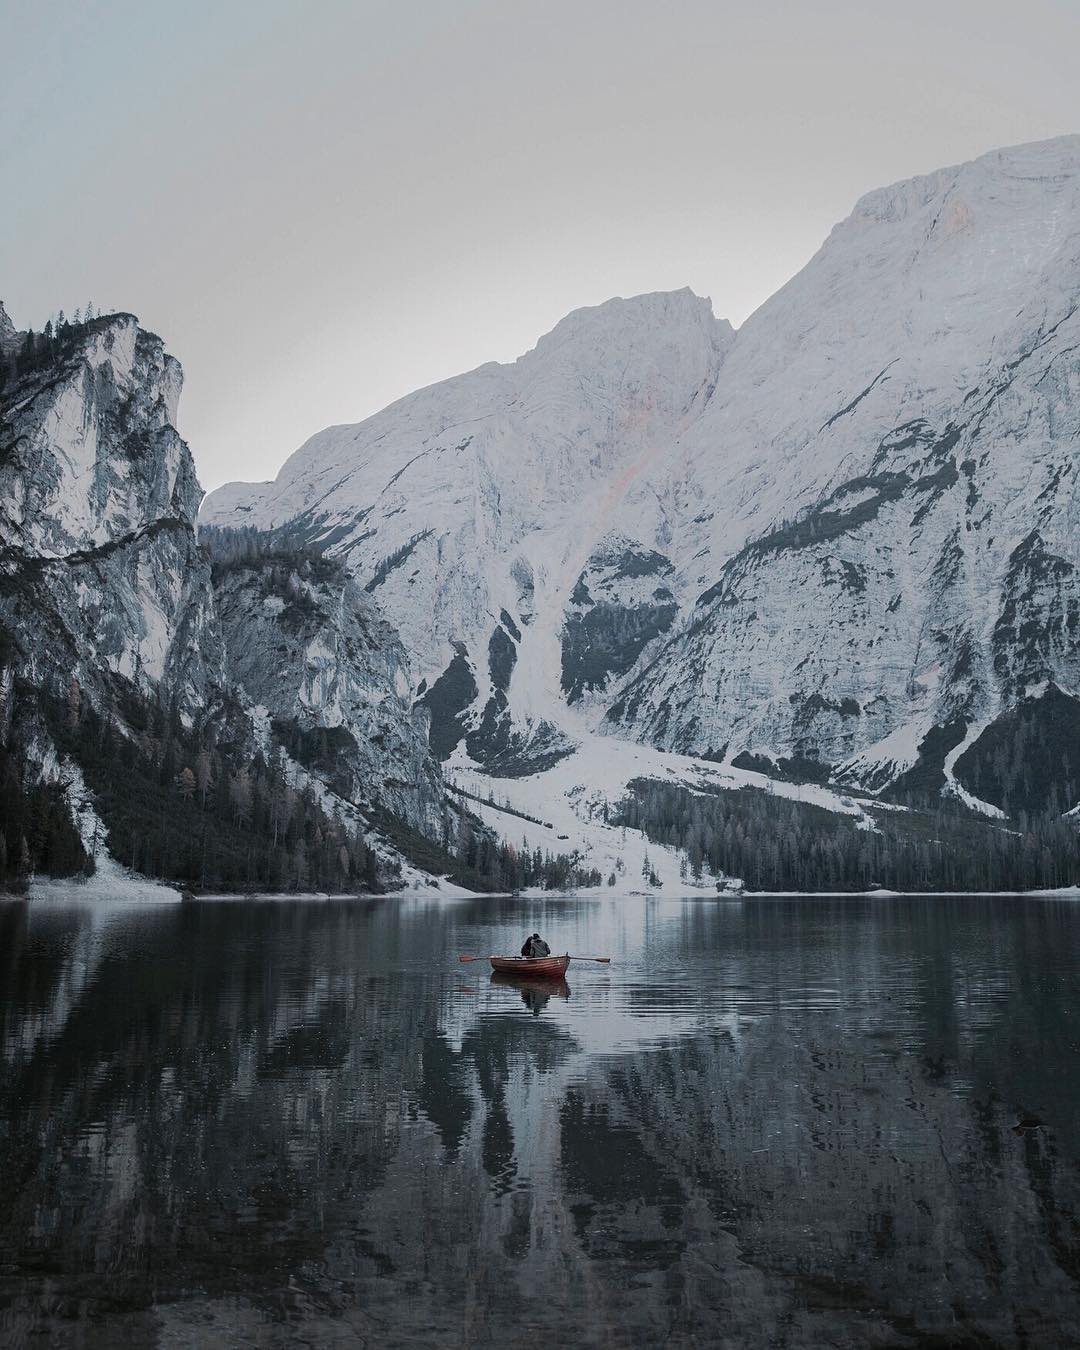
(550, 967)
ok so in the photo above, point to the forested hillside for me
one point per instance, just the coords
(778, 844)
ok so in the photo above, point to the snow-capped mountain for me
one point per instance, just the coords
(472, 509)
(890, 464)
(841, 541)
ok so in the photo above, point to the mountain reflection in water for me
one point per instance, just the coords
(787, 1123)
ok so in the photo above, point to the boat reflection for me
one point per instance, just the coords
(535, 990)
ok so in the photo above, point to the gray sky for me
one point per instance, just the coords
(322, 206)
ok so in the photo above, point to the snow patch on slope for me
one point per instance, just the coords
(569, 801)
(953, 786)
(110, 881)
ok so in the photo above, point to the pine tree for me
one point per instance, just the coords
(26, 355)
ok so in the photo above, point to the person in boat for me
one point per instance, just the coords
(534, 946)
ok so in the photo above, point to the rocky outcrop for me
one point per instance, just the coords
(622, 601)
(102, 574)
(9, 337)
(305, 643)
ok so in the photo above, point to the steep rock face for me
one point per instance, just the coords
(621, 601)
(8, 334)
(312, 649)
(101, 570)
(107, 600)
(866, 499)
(893, 537)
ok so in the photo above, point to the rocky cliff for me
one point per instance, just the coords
(102, 572)
(115, 635)
(304, 642)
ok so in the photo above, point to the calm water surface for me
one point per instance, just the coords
(768, 1123)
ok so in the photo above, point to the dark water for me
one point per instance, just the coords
(769, 1123)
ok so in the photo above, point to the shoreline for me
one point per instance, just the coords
(64, 892)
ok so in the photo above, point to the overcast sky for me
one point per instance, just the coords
(322, 206)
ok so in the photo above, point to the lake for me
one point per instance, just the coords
(770, 1122)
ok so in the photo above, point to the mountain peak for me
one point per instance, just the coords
(934, 270)
(621, 319)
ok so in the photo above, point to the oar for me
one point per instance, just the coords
(604, 960)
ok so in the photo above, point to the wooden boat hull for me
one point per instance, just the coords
(544, 967)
